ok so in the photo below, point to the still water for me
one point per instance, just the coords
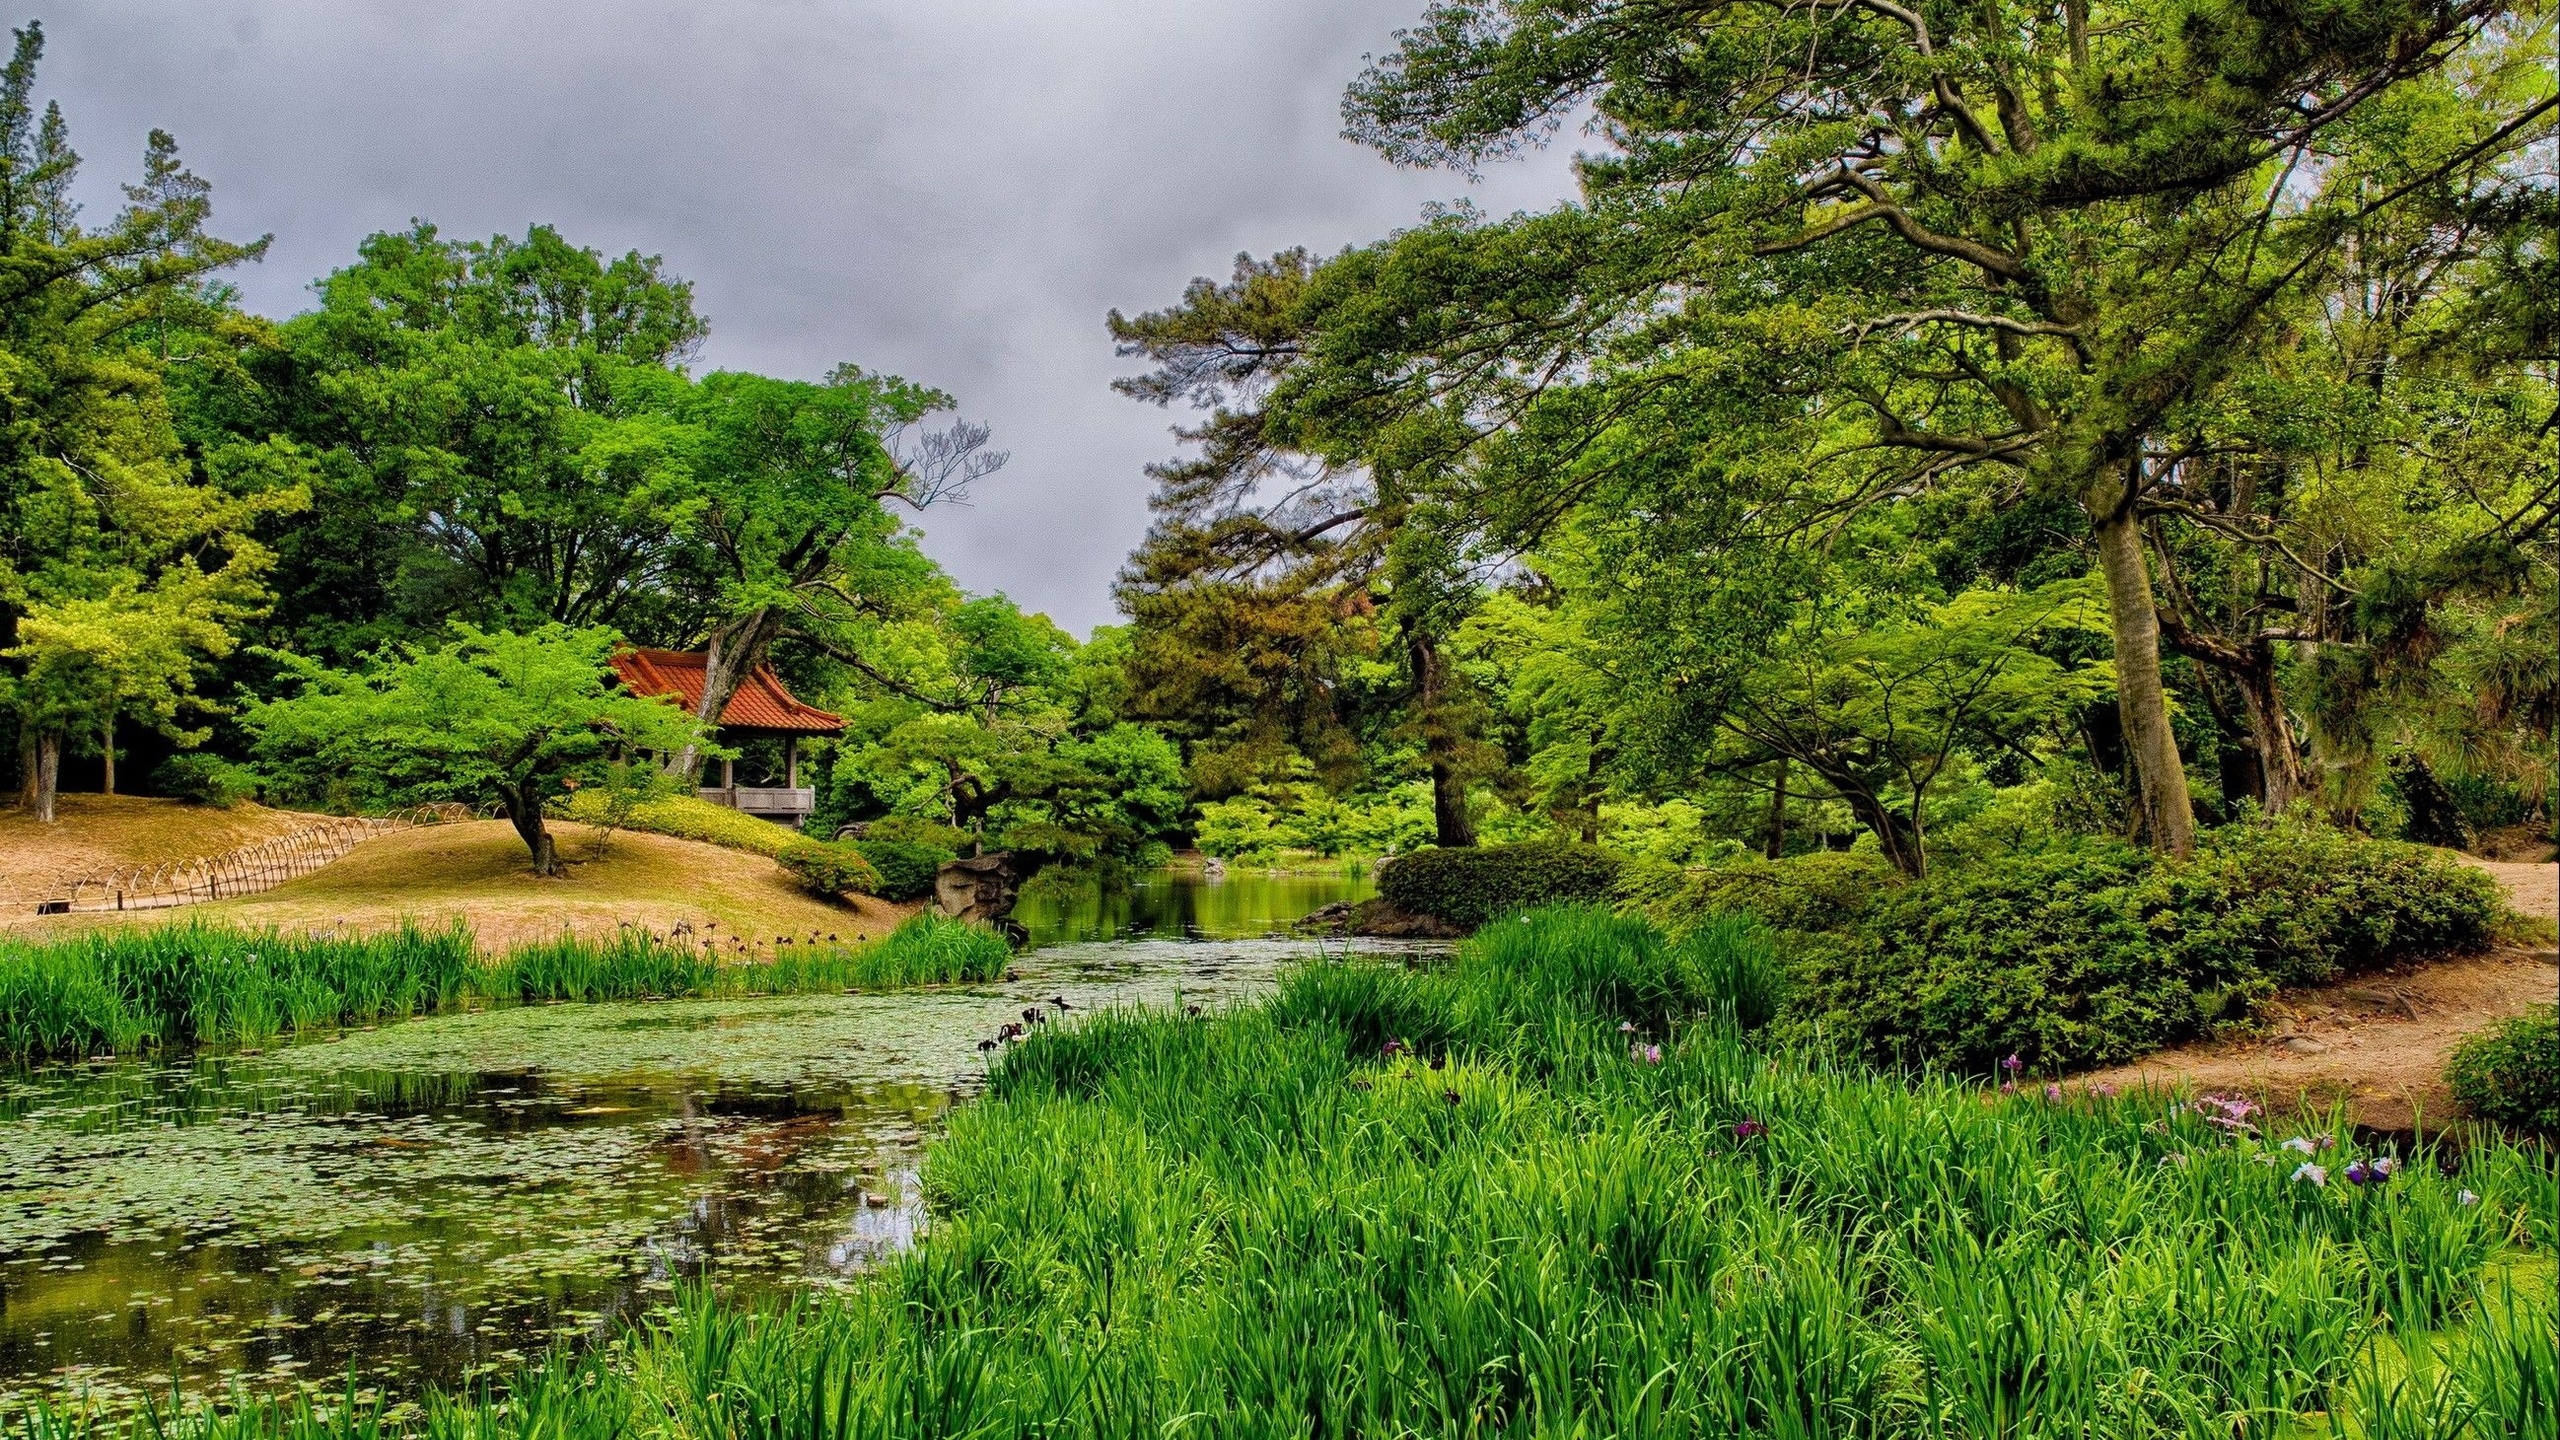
(442, 1199)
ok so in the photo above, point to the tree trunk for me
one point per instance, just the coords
(27, 764)
(524, 811)
(2270, 733)
(2160, 779)
(1893, 833)
(107, 748)
(734, 652)
(48, 772)
(1452, 827)
(1774, 843)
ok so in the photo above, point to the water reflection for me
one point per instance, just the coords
(1182, 905)
(441, 1199)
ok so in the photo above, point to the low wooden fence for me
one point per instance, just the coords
(246, 870)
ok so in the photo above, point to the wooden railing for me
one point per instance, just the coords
(763, 799)
(247, 870)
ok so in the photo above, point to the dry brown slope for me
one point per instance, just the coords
(93, 833)
(476, 873)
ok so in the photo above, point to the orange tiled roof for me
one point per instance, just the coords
(760, 704)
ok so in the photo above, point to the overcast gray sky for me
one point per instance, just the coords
(954, 190)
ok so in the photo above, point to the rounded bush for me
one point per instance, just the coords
(906, 867)
(1472, 886)
(2510, 1073)
(831, 868)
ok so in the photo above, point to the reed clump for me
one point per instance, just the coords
(1554, 1187)
(110, 992)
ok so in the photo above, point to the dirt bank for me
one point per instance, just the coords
(2379, 1041)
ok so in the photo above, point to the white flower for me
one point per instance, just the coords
(2300, 1145)
(2313, 1173)
(2468, 1198)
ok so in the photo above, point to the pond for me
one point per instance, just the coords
(439, 1200)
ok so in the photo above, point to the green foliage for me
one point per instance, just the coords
(1274, 820)
(1474, 885)
(1535, 1229)
(490, 717)
(688, 817)
(1825, 891)
(2092, 952)
(830, 868)
(2510, 1072)
(125, 565)
(905, 868)
(203, 779)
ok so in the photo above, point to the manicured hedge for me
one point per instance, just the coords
(2092, 952)
(2511, 1073)
(1472, 886)
(831, 868)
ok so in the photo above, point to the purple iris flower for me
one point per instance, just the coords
(1746, 1129)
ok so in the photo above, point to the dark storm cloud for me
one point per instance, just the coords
(954, 191)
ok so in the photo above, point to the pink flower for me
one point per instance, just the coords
(1747, 1129)
(1648, 1054)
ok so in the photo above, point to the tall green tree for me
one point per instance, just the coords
(495, 434)
(1270, 569)
(1828, 258)
(122, 567)
(789, 532)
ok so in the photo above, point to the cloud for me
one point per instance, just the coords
(956, 191)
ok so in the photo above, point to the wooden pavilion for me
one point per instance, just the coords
(761, 710)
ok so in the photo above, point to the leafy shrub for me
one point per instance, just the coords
(1472, 886)
(830, 868)
(906, 868)
(2510, 1073)
(202, 779)
(684, 817)
(2092, 952)
(1828, 890)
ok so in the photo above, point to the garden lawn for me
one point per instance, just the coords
(1550, 1189)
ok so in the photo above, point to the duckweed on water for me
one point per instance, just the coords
(434, 1202)
(123, 990)
(1445, 1201)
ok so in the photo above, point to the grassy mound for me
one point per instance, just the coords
(684, 817)
(1551, 1189)
(124, 990)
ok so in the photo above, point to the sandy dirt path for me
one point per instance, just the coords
(2379, 1041)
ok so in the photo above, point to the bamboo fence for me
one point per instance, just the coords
(246, 870)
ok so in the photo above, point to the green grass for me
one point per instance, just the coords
(684, 817)
(124, 990)
(1465, 1200)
